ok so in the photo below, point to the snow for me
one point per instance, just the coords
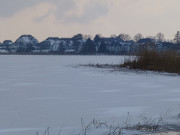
(37, 92)
(3, 51)
(55, 43)
(27, 39)
(166, 133)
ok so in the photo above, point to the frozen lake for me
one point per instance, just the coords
(37, 92)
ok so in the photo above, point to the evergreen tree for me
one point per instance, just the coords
(77, 41)
(102, 48)
(29, 47)
(89, 47)
(177, 37)
(78, 37)
(61, 49)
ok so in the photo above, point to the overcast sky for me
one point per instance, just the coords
(64, 18)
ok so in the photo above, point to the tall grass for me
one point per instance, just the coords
(168, 61)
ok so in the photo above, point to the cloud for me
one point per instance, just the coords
(64, 18)
(87, 13)
(60, 9)
(66, 10)
(8, 8)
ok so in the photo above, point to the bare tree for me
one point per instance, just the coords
(137, 37)
(113, 36)
(159, 37)
(87, 36)
(151, 37)
(177, 37)
(125, 37)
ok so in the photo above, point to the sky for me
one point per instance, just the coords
(65, 18)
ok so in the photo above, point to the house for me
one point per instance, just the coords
(146, 41)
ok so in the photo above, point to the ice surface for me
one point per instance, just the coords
(41, 91)
(166, 133)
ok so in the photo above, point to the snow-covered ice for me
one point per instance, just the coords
(37, 92)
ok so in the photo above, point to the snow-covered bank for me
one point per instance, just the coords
(41, 91)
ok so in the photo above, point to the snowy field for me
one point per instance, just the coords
(37, 92)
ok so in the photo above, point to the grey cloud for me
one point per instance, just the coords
(91, 12)
(39, 19)
(62, 7)
(10, 7)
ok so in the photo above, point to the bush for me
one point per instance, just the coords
(153, 60)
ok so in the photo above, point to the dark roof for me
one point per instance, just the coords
(110, 40)
(66, 39)
(146, 40)
(130, 42)
(7, 41)
(53, 38)
(167, 44)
